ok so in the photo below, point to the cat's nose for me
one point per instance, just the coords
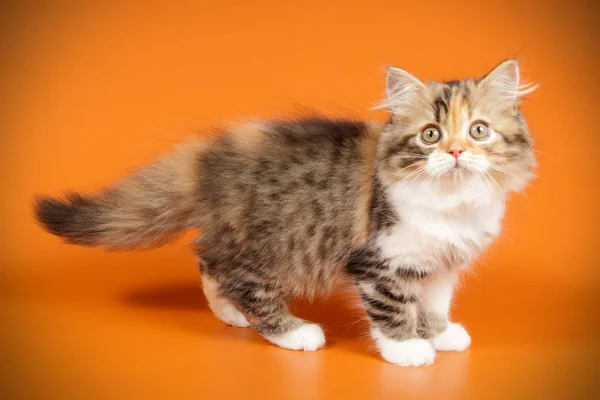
(455, 152)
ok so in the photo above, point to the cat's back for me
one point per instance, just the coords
(282, 158)
(318, 165)
(302, 185)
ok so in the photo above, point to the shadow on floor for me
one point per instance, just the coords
(171, 296)
(338, 314)
(180, 303)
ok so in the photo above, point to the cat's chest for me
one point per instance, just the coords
(428, 237)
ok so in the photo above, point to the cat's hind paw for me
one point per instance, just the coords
(227, 313)
(222, 307)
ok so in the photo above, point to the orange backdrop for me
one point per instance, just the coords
(90, 90)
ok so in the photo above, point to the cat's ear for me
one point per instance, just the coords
(504, 82)
(401, 89)
(398, 82)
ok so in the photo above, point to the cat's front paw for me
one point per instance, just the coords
(411, 352)
(307, 337)
(454, 338)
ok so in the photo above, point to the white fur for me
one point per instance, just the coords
(437, 293)
(411, 352)
(437, 220)
(220, 306)
(447, 215)
(454, 338)
(440, 163)
(308, 337)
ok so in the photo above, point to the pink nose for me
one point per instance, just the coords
(455, 152)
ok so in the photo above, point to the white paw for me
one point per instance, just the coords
(308, 337)
(231, 315)
(220, 306)
(411, 352)
(454, 338)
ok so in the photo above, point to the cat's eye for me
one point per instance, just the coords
(431, 134)
(479, 130)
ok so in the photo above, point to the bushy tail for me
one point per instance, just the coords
(147, 208)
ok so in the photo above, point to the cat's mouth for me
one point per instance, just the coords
(459, 169)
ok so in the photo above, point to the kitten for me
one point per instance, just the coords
(288, 208)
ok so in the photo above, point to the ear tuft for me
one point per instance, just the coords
(401, 88)
(504, 81)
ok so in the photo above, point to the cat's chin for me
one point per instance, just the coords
(457, 178)
(458, 173)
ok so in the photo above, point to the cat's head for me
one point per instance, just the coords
(450, 133)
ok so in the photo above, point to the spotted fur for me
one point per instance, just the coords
(290, 207)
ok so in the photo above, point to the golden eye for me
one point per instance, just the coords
(431, 134)
(479, 130)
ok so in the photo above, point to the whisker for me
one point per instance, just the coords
(504, 171)
(402, 169)
(545, 154)
(421, 168)
(497, 185)
(492, 190)
(411, 182)
(409, 156)
(499, 168)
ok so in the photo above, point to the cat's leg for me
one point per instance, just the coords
(266, 308)
(393, 308)
(434, 323)
(222, 307)
(392, 305)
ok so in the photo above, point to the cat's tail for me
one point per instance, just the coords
(146, 208)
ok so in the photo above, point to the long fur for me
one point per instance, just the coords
(147, 208)
(292, 207)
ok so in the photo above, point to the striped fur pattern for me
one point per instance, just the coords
(291, 207)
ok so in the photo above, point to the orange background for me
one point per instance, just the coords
(90, 90)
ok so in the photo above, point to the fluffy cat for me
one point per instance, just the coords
(288, 208)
